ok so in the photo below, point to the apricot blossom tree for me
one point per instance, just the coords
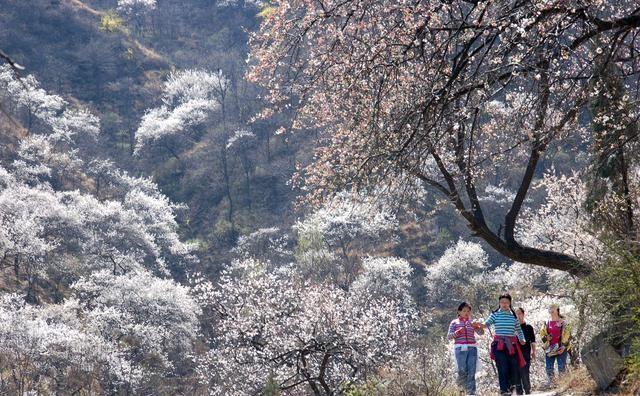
(454, 93)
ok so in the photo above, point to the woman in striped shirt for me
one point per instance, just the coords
(462, 330)
(505, 349)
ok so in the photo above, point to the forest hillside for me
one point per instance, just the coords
(243, 197)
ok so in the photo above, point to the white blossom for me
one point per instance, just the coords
(60, 121)
(274, 324)
(128, 7)
(271, 244)
(384, 277)
(561, 223)
(160, 317)
(451, 277)
(189, 97)
(239, 136)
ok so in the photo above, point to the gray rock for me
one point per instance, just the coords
(603, 362)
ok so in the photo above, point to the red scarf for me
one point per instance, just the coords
(508, 342)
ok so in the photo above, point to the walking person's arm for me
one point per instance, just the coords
(565, 338)
(490, 320)
(533, 351)
(451, 332)
(532, 334)
(520, 333)
(544, 335)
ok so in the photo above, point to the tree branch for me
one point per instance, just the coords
(539, 145)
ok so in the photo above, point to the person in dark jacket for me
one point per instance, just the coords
(528, 352)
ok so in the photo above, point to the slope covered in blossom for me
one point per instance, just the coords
(293, 197)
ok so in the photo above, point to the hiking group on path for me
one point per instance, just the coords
(512, 348)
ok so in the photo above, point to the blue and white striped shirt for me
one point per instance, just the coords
(505, 324)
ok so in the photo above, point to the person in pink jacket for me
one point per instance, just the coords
(463, 331)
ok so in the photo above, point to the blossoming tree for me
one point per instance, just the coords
(272, 325)
(449, 92)
(90, 249)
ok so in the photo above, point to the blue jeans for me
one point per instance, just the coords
(562, 364)
(466, 361)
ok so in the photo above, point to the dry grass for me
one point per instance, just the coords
(577, 382)
(148, 53)
(630, 384)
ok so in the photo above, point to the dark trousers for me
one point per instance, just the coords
(525, 382)
(508, 369)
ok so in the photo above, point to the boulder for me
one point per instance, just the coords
(603, 362)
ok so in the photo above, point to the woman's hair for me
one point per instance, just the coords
(505, 295)
(508, 297)
(557, 307)
(520, 309)
(464, 305)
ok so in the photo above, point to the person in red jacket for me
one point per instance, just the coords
(556, 337)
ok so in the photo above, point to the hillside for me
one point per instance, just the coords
(292, 198)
